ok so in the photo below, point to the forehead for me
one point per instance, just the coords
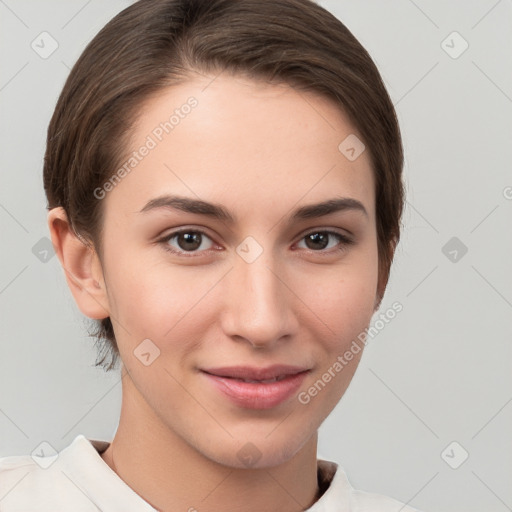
(245, 143)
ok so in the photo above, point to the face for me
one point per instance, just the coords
(213, 301)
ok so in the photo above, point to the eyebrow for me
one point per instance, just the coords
(217, 211)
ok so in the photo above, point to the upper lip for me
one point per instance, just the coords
(253, 373)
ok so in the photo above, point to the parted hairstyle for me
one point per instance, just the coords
(154, 44)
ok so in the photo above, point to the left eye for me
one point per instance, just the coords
(319, 240)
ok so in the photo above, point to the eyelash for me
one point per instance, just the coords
(345, 241)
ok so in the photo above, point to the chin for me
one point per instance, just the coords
(255, 452)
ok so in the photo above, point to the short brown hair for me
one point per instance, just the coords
(157, 43)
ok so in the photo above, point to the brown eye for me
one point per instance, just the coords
(317, 241)
(189, 241)
(186, 241)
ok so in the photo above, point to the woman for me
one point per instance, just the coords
(224, 191)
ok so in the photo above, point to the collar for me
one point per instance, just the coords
(114, 493)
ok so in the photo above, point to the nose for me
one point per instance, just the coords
(258, 303)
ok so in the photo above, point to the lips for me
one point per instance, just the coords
(252, 374)
(257, 388)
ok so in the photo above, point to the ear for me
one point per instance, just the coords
(384, 271)
(81, 265)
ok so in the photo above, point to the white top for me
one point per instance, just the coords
(77, 479)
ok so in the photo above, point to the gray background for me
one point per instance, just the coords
(439, 372)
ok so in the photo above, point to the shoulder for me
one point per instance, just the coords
(340, 493)
(40, 483)
(15, 469)
(21, 478)
(369, 502)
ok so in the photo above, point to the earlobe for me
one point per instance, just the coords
(384, 271)
(381, 285)
(377, 302)
(81, 266)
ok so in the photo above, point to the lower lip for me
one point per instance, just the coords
(252, 395)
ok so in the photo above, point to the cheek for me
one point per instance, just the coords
(156, 301)
(343, 309)
(344, 298)
(347, 311)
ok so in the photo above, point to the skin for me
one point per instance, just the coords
(260, 151)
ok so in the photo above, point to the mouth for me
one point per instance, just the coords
(253, 374)
(257, 388)
(264, 381)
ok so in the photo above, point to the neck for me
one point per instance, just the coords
(172, 475)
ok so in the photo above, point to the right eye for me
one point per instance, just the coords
(187, 241)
